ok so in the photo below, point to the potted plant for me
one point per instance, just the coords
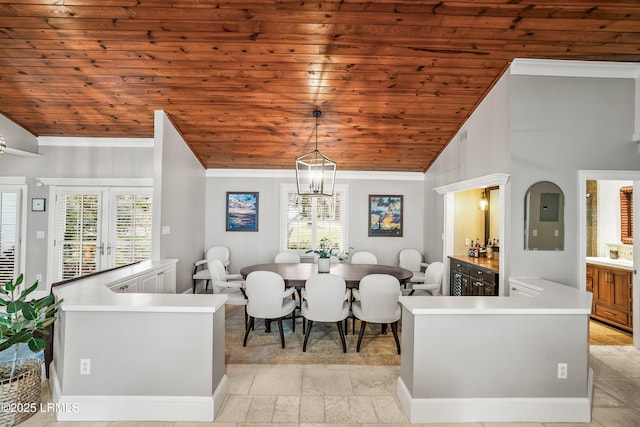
(22, 322)
(324, 255)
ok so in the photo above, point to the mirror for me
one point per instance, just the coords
(544, 217)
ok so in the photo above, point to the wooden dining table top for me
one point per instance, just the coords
(295, 274)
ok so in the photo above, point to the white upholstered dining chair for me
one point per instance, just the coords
(411, 259)
(379, 295)
(325, 299)
(201, 270)
(364, 257)
(287, 257)
(268, 299)
(432, 279)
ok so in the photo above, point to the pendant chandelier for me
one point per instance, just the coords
(315, 172)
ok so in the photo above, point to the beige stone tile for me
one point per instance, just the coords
(235, 408)
(362, 410)
(626, 390)
(602, 399)
(450, 425)
(240, 378)
(336, 410)
(513, 425)
(76, 424)
(202, 424)
(375, 381)
(334, 382)
(329, 425)
(388, 409)
(261, 409)
(287, 409)
(591, 424)
(616, 417)
(278, 379)
(268, 425)
(311, 408)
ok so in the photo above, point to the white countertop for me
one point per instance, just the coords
(93, 294)
(553, 298)
(624, 264)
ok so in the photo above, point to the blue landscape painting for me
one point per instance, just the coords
(242, 211)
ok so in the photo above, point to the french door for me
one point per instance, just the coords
(10, 215)
(100, 227)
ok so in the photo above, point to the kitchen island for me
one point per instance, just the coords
(137, 356)
(497, 359)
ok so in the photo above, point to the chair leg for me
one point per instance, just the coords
(363, 326)
(394, 329)
(246, 317)
(306, 336)
(267, 326)
(246, 333)
(281, 332)
(293, 320)
(206, 284)
(383, 329)
(411, 293)
(341, 332)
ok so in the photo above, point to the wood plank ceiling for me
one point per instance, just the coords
(394, 79)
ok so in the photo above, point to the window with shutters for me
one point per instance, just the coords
(99, 228)
(305, 220)
(9, 232)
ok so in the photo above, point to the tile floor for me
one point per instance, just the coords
(364, 396)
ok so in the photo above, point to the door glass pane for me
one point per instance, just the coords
(80, 222)
(132, 237)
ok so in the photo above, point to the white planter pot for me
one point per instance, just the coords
(324, 265)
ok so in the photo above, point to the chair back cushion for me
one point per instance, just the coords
(216, 269)
(265, 291)
(219, 252)
(379, 295)
(434, 273)
(287, 257)
(410, 259)
(363, 257)
(325, 298)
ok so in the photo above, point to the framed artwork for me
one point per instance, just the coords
(385, 216)
(38, 205)
(242, 211)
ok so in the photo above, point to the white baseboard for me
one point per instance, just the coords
(135, 408)
(466, 410)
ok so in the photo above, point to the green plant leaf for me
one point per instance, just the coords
(10, 286)
(14, 306)
(36, 344)
(28, 312)
(20, 337)
(27, 291)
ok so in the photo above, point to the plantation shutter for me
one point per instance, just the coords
(131, 239)
(78, 234)
(308, 219)
(8, 235)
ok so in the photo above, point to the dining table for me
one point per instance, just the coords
(296, 274)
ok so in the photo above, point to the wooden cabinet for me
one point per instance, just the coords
(467, 279)
(611, 289)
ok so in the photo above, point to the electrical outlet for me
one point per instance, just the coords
(562, 371)
(85, 366)
(467, 242)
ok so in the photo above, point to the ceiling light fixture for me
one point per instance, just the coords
(483, 204)
(315, 172)
(3, 145)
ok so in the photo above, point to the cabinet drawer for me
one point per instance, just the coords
(611, 314)
(461, 267)
(484, 275)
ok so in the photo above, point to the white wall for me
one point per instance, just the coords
(249, 248)
(560, 125)
(484, 152)
(178, 201)
(16, 137)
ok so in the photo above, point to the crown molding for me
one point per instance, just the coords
(21, 153)
(565, 68)
(291, 174)
(64, 141)
(480, 182)
(13, 180)
(97, 182)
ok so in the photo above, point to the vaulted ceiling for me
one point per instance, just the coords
(394, 79)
